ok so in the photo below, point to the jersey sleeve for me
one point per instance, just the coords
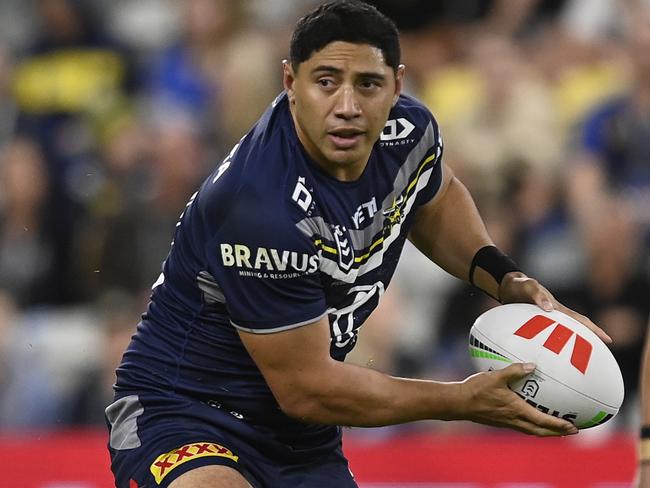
(431, 162)
(265, 266)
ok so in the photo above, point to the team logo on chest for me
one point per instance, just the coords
(395, 214)
(343, 247)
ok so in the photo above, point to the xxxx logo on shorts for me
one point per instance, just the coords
(165, 463)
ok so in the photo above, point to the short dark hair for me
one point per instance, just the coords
(344, 20)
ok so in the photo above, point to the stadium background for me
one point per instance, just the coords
(111, 113)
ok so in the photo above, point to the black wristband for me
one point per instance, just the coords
(644, 445)
(645, 432)
(492, 260)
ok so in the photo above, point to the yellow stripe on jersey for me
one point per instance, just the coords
(319, 243)
(417, 178)
(365, 256)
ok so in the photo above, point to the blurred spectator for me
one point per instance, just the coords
(219, 72)
(137, 236)
(118, 315)
(613, 160)
(70, 88)
(614, 292)
(541, 235)
(494, 110)
(122, 187)
(581, 72)
(144, 25)
(30, 243)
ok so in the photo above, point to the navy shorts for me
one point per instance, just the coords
(156, 437)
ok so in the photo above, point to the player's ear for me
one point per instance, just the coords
(399, 82)
(288, 78)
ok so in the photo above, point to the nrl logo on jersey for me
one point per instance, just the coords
(262, 262)
(343, 247)
(396, 133)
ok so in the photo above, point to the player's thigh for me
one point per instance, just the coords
(211, 477)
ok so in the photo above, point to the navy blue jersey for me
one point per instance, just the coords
(271, 242)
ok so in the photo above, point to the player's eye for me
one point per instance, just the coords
(325, 82)
(370, 85)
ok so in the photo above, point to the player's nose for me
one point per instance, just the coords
(347, 106)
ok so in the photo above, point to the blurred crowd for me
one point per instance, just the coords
(112, 113)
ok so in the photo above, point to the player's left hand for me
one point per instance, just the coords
(518, 288)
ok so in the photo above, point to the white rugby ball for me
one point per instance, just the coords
(576, 378)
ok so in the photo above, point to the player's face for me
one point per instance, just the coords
(340, 99)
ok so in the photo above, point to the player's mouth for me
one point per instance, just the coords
(345, 138)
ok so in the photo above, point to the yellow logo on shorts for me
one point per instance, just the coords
(168, 461)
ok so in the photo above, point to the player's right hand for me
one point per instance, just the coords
(487, 399)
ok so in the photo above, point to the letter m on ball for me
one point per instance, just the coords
(558, 339)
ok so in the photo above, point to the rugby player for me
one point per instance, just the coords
(236, 374)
